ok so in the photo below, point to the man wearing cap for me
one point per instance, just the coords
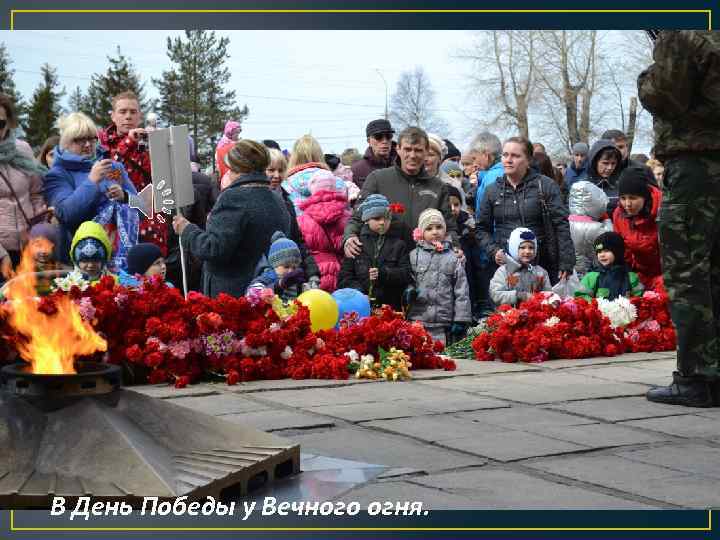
(408, 185)
(379, 155)
(578, 169)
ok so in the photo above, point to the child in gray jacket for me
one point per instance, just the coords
(443, 298)
(518, 279)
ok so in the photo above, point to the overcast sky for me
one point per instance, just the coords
(294, 82)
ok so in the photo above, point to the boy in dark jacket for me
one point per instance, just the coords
(382, 269)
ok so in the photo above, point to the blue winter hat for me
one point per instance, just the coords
(283, 251)
(374, 206)
(141, 257)
(89, 249)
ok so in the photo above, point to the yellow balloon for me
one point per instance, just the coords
(324, 311)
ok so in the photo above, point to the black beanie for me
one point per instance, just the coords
(633, 181)
(611, 241)
(454, 192)
(452, 150)
(141, 256)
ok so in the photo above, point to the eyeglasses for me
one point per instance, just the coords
(82, 141)
(383, 137)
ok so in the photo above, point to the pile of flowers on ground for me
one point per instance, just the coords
(158, 335)
(547, 327)
(392, 365)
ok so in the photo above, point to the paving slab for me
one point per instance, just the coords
(476, 367)
(432, 429)
(165, 391)
(599, 435)
(432, 499)
(621, 408)
(622, 359)
(382, 392)
(521, 417)
(220, 404)
(278, 419)
(634, 373)
(496, 488)
(688, 425)
(511, 445)
(646, 480)
(687, 457)
(382, 448)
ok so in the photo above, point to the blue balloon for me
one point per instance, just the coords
(349, 300)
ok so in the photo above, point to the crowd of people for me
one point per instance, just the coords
(441, 234)
(444, 236)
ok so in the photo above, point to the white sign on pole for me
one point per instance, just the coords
(171, 172)
(171, 187)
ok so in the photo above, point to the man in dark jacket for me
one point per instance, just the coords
(682, 91)
(407, 184)
(379, 155)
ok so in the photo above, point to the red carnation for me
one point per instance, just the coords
(182, 381)
(233, 377)
(397, 208)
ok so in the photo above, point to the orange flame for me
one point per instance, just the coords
(53, 341)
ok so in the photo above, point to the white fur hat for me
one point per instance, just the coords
(517, 237)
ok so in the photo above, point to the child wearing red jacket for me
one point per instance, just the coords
(635, 219)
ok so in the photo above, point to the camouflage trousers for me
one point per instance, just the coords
(689, 225)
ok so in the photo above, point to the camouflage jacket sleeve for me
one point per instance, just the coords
(683, 60)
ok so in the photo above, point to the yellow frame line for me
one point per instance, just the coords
(349, 529)
(708, 12)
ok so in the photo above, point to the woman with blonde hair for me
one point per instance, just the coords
(306, 159)
(85, 185)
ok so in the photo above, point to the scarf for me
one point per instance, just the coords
(225, 140)
(616, 279)
(11, 156)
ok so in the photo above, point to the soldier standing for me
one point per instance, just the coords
(682, 91)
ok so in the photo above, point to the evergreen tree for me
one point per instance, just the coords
(193, 91)
(119, 77)
(7, 85)
(45, 108)
(77, 101)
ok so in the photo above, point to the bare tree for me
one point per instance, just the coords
(413, 103)
(503, 76)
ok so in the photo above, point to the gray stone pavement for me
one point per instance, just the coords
(563, 434)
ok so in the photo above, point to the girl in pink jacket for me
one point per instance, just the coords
(325, 214)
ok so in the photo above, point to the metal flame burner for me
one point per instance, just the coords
(53, 391)
(83, 435)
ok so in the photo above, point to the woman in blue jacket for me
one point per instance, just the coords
(84, 185)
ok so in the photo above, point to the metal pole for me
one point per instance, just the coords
(177, 210)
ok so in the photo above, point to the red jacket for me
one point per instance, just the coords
(642, 247)
(137, 164)
(322, 224)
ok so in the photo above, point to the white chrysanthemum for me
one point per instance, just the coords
(620, 311)
(352, 355)
(287, 353)
(552, 321)
(72, 279)
(551, 299)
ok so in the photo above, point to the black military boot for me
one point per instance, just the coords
(687, 391)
